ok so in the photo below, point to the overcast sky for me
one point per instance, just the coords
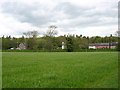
(86, 17)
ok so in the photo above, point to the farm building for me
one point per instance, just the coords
(21, 46)
(103, 45)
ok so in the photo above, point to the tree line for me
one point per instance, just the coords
(49, 41)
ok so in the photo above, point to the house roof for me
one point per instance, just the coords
(99, 44)
(103, 44)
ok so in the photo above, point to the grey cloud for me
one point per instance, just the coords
(75, 11)
(72, 10)
(25, 12)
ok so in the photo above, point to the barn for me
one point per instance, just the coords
(111, 45)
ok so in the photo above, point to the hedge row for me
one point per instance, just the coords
(60, 50)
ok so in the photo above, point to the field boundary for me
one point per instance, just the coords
(59, 50)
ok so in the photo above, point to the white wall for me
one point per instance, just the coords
(92, 47)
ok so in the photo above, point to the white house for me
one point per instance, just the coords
(21, 46)
(92, 47)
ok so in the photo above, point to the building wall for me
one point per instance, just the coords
(22, 46)
(102, 47)
(92, 47)
(113, 47)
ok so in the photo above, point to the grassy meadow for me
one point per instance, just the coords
(60, 70)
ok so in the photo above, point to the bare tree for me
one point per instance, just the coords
(30, 40)
(31, 34)
(52, 31)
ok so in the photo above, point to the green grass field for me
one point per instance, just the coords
(60, 70)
